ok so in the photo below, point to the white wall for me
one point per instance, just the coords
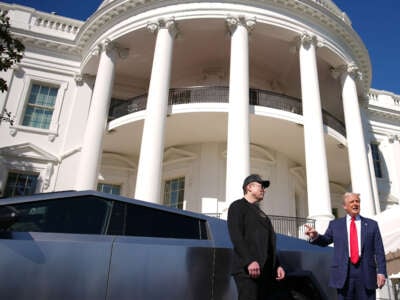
(203, 166)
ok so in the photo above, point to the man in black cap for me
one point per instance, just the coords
(256, 268)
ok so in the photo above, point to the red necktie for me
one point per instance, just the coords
(354, 257)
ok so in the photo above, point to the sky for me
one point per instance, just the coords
(374, 21)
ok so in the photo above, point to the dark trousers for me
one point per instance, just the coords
(354, 287)
(262, 288)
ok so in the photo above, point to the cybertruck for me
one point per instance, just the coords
(90, 245)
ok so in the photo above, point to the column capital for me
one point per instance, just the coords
(78, 77)
(350, 69)
(109, 47)
(354, 71)
(393, 138)
(105, 45)
(172, 27)
(18, 70)
(169, 24)
(233, 22)
(96, 50)
(153, 27)
(307, 40)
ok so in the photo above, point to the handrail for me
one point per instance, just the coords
(291, 226)
(220, 94)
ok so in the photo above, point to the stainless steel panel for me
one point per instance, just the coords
(161, 269)
(310, 263)
(54, 266)
(224, 285)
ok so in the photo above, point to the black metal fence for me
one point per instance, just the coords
(291, 226)
(220, 94)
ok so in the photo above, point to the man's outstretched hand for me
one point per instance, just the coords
(311, 232)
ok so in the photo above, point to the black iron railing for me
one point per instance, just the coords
(291, 226)
(220, 94)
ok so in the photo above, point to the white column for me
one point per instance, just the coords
(394, 141)
(374, 185)
(92, 147)
(238, 140)
(319, 200)
(149, 175)
(357, 148)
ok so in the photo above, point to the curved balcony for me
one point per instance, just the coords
(220, 94)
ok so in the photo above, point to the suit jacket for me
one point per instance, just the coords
(252, 236)
(372, 253)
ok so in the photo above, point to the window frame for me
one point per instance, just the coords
(44, 166)
(19, 172)
(29, 81)
(36, 105)
(184, 189)
(377, 162)
(112, 185)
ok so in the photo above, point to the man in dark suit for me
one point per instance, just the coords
(359, 265)
(255, 264)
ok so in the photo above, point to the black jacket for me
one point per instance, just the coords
(253, 237)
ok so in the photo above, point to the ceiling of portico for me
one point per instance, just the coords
(332, 25)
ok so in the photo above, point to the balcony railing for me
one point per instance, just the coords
(291, 226)
(220, 94)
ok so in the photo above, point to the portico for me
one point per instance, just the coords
(241, 131)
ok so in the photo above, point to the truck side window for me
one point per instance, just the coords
(135, 220)
(85, 215)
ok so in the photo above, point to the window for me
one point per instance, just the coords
(136, 220)
(40, 106)
(376, 160)
(84, 215)
(174, 192)
(113, 189)
(20, 184)
(95, 215)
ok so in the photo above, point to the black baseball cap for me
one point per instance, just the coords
(255, 178)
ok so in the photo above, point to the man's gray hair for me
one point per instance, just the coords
(348, 194)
